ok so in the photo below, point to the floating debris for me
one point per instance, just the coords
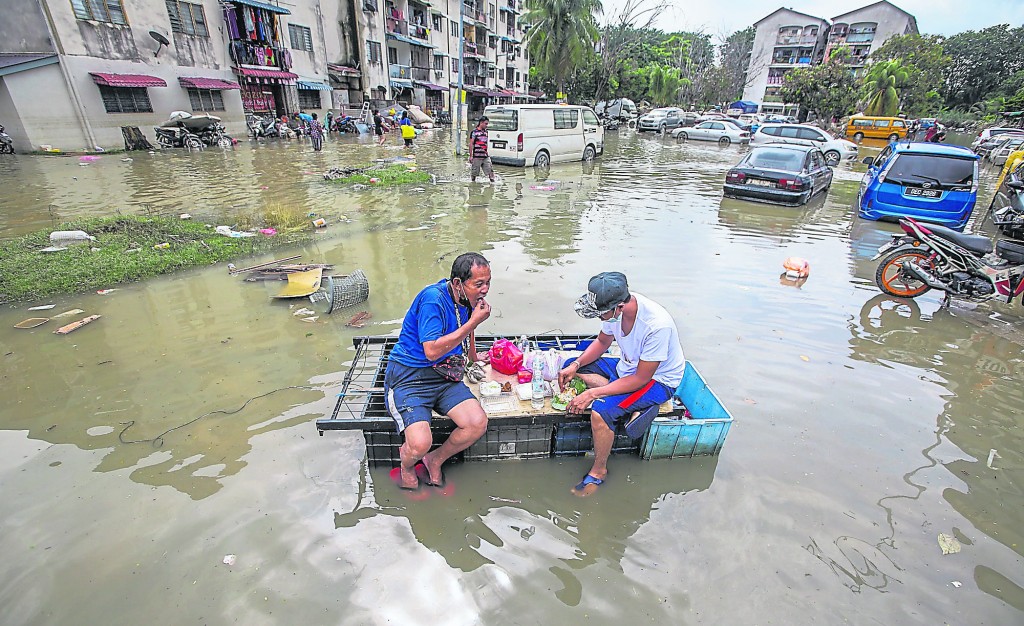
(359, 319)
(42, 307)
(32, 322)
(73, 326)
(67, 313)
(948, 543)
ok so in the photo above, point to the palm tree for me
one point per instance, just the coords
(665, 85)
(562, 33)
(881, 83)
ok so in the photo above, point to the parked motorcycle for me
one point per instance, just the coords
(179, 137)
(962, 266)
(6, 143)
(1009, 219)
(215, 135)
(265, 126)
(346, 124)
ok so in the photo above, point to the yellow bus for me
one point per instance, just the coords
(891, 128)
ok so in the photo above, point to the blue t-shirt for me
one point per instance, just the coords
(431, 316)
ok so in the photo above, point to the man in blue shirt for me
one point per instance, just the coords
(424, 373)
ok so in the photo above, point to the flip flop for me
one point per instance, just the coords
(588, 480)
(641, 421)
(421, 474)
(439, 484)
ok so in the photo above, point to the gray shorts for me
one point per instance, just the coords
(475, 165)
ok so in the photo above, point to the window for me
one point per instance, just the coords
(373, 52)
(439, 62)
(438, 23)
(566, 118)
(453, 28)
(125, 99)
(717, 126)
(881, 123)
(110, 11)
(590, 118)
(809, 133)
(788, 132)
(503, 120)
(455, 65)
(898, 124)
(492, 42)
(817, 162)
(490, 72)
(206, 100)
(309, 99)
(393, 55)
(501, 74)
(862, 123)
(301, 37)
(517, 77)
(187, 17)
(922, 168)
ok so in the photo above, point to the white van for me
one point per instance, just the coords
(541, 134)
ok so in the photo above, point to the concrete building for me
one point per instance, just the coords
(101, 66)
(787, 39)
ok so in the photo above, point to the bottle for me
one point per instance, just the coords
(537, 395)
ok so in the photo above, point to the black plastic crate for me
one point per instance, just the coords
(531, 441)
(576, 439)
(382, 446)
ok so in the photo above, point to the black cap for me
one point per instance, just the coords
(604, 292)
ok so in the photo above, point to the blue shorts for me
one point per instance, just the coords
(413, 393)
(613, 408)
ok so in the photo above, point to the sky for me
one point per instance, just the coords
(939, 17)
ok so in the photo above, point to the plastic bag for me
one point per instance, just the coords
(506, 357)
(552, 360)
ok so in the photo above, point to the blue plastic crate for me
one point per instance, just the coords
(701, 435)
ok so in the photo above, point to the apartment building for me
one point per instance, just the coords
(74, 72)
(787, 39)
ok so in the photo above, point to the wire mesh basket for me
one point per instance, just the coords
(339, 292)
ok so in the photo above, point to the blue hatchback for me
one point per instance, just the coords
(931, 182)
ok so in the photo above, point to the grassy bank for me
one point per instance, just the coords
(124, 252)
(397, 174)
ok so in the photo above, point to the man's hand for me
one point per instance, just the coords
(481, 312)
(582, 401)
(566, 374)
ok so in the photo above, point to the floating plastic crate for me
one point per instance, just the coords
(703, 434)
(530, 441)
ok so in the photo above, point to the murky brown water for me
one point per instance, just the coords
(863, 425)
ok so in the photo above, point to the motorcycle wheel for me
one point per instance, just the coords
(891, 278)
(193, 143)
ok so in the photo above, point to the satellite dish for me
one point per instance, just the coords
(160, 39)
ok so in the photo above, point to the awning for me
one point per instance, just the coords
(127, 80)
(343, 70)
(402, 83)
(13, 63)
(249, 72)
(430, 86)
(507, 38)
(263, 5)
(314, 85)
(409, 40)
(206, 83)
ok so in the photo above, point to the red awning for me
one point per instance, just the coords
(127, 80)
(207, 83)
(344, 70)
(249, 72)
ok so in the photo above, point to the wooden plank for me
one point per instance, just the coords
(253, 267)
(73, 326)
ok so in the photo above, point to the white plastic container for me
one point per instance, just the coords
(70, 236)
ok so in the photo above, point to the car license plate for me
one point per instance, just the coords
(762, 183)
(924, 193)
(499, 144)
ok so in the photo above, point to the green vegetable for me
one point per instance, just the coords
(578, 384)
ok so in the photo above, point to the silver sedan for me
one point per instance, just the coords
(712, 130)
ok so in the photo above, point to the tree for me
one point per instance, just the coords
(827, 90)
(882, 83)
(925, 61)
(980, 61)
(562, 34)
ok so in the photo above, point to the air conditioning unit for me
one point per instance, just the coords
(438, 73)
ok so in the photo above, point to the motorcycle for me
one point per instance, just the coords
(6, 143)
(262, 126)
(961, 266)
(1009, 219)
(346, 124)
(179, 137)
(215, 135)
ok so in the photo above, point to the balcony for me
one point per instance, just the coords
(860, 38)
(470, 50)
(399, 71)
(421, 73)
(772, 98)
(776, 80)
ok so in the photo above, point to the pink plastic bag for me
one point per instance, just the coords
(506, 357)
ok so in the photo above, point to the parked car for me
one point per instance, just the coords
(932, 182)
(713, 130)
(780, 174)
(835, 150)
(619, 108)
(993, 142)
(542, 134)
(1012, 143)
(891, 128)
(989, 133)
(750, 120)
(660, 120)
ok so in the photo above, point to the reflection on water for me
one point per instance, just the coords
(178, 428)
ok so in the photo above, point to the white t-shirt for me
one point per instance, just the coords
(653, 338)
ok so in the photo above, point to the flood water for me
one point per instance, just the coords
(865, 426)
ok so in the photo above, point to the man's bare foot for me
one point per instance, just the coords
(409, 480)
(433, 469)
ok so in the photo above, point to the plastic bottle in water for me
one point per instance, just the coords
(537, 395)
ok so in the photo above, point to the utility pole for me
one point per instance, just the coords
(462, 72)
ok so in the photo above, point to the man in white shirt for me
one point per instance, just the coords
(632, 387)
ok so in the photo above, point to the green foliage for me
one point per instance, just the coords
(980, 62)
(925, 63)
(124, 254)
(827, 90)
(882, 83)
(562, 35)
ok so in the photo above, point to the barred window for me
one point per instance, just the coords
(438, 62)
(301, 37)
(455, 65)
(453, 28)
(187, 17)
(392, 55)
(566, 118)
(125, 99)
(373, 52)
(111, 11)
(206, 99)
(438, 22)
(309, 99)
